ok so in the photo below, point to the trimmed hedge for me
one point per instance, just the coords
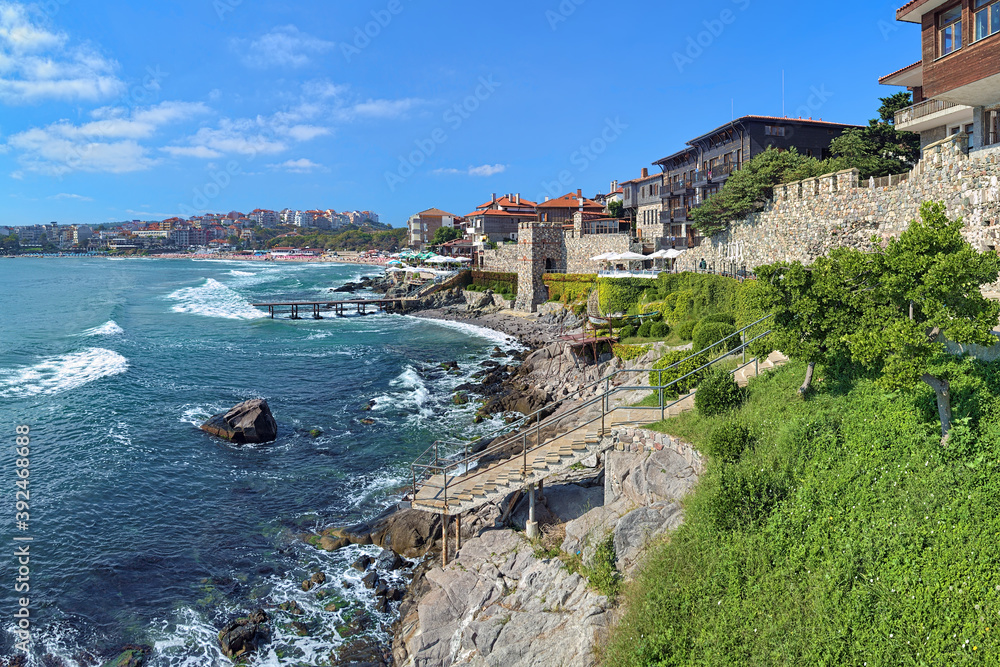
(620, 295)
(659, 378)
(569, 287)
(491, 279)
(630, 352)
(726, 318)
(659, 330)
(708, 333)
(685, 330)
(717, 394)
(752, 303)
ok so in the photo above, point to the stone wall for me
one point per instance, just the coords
(542, 249)
(502, 260)
(809, 218)
(580, 249)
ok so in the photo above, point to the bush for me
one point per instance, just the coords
(660, 378)
(630, 352)
(645, 329)
(620, 295)
(729, 440)
(725, 318)
(746, 496)
(603, 572)
(709, 333)
(685, 330)
(753, 303)
(718, 393)
(659, 330)
(627, 332)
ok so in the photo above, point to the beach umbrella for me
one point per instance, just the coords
(630, 257)
(674, 254)
(659, 254)
(603, 257)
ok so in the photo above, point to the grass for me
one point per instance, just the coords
(845, 536)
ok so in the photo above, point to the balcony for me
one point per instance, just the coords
(929, 114)
(679, 214)
(680, 187)
(700, 179)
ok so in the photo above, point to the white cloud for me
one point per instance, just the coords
(192, 151)
(107, 145)
(37, 64)
(484, 170)
(66, 195)
(300, 166)
(284, 46)
(383, 109)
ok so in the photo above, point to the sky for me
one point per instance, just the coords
(116, 110)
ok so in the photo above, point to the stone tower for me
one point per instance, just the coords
(541, 249)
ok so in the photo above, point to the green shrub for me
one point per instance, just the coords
(729, 440)
(630, 352)
(627, 332)
(753, 303)
(645, 329)
(685, 330)
(717, 393)
(620, 295)
(726, 318)
(670, 372)
(659, 330)
(708, 333)
(569, 287)
(603, 572)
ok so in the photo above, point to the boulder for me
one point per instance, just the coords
(244, 635)
(250, 422)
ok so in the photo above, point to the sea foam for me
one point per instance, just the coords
(54, 375)
(213, 299)
(109, 328)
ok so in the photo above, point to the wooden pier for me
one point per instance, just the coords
(338, 308)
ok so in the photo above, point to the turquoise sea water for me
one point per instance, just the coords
(149, 531)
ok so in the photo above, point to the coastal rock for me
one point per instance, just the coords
(131, 656)
(500, 605)
(634, 531)
(244, 635)
(250, 422)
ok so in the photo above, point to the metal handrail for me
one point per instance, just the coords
(468, 458)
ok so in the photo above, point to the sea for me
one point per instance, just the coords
(145, 530)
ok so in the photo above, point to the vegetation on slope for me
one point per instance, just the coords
(844, 533)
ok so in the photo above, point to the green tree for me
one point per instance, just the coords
(445, 234)
(928, 288)
(748, 190)
(815, 307)
(616, 209)
(879, 149)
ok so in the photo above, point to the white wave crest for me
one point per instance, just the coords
(410, 393)
(109, 328)
(213, 299)
(481, 332)
(242, 273)
(54, 375)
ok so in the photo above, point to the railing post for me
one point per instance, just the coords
(605, 404)
(743, 338)
(663, 409)
(524, 455)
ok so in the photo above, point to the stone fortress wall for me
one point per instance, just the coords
(809, 218)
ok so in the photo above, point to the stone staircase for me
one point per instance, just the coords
(554, 454)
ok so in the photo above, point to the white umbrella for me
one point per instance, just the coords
(659, 254)
(605, 257)
(630, 257)
(673, 253)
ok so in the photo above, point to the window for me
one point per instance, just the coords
(987, 18)
(991, 129)
(950, 29)
(774, 131)
(970, 130)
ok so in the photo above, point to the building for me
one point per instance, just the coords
(699, 171)
(423, 225)
(497, 220)
(303, 219)
(641, 199)
(956, 83)
(265, 218)
(562, 209)
(82, 234)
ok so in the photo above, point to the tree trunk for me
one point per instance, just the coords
(807, 384)
(942, 389)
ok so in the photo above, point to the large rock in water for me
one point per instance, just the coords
(250, 422)
(244, 635)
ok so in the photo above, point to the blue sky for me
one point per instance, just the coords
(113, 110)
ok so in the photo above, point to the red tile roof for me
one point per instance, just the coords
(919, 63)
(570, 200)
(507, 201)
(432, 212)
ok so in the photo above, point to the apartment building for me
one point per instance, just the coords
(423, 225)
(497, 220)
(956, 82)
